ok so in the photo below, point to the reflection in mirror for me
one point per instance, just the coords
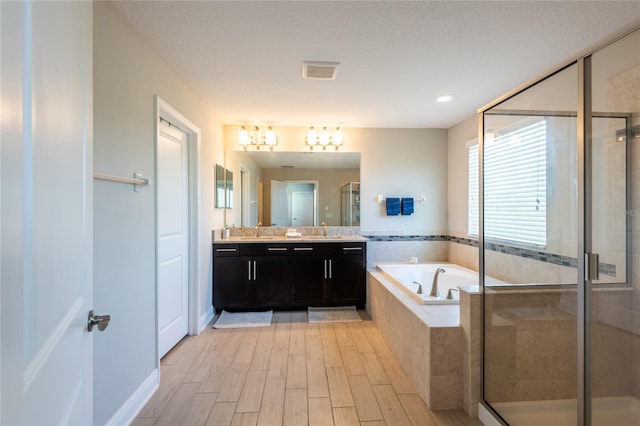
(228, 196)
(220, 193)
(292, 188)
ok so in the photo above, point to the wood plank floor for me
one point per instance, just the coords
(291, 373)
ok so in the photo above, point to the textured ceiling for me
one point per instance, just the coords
(245, 58)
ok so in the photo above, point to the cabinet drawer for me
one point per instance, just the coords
(357, 249)
(226, 250)
(264, 249)
(310, 249)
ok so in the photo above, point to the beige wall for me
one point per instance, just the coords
(127, 76)
(459, 136)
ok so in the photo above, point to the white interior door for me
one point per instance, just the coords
(173, 236)
(46, 213)
(259, 214)
(279, 215)
(302, 208)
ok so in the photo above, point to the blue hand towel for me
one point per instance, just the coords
(407, 206)
(393, 206)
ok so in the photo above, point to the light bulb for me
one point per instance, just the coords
(324, 136)
(311, 137)
(270, 137)
(337, 137)
(243, 137)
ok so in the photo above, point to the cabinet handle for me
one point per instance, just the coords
(276, 249)
(325, 269)
(330, 268)
(226, 250)
(255, 268)
(303, 249)
(352, 248)
(249, 264)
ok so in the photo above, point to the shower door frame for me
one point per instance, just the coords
(584, 273)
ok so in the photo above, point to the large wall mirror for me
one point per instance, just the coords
(294, 188)
(220, 187)
(224, 188)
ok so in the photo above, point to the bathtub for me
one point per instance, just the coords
(406, 275)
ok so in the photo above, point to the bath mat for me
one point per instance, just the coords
(243, 319)
(337, 314)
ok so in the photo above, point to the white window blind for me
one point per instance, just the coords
(515, 186)
(474, 212)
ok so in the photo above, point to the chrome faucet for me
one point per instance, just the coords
(434, 286)
(449, 294)
(324, 229)
(419, 290)
(258, 229)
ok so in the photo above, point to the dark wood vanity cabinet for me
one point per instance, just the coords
(288, 275)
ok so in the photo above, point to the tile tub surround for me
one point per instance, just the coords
(471, 323)
(431, 351)
(464, 251)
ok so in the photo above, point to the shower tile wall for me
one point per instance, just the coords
(532, 338)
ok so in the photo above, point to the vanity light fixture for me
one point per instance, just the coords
(324, 138)
(257, 138)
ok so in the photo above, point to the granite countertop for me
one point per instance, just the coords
(304, 239)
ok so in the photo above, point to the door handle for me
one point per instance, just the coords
(249, 269)
(102, 321)
(330, 267)
(255, 268)
(325, 269)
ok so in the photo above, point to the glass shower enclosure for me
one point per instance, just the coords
(350, 204)
(560, 245)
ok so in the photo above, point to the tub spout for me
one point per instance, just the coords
(419, 290)
(434, 286)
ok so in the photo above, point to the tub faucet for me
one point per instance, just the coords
(258, 229)
(419, 290)
(434, 286)
(449, 294)
(324, 229)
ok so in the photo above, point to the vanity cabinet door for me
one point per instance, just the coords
(347, 283)
(232, 287)
(308, 275)
(270, 286)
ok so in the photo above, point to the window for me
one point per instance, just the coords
(515, 185)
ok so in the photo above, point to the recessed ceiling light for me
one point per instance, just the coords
(444, 98)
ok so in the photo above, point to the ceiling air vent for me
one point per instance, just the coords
(319, 70)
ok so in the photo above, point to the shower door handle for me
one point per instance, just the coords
(591, 266)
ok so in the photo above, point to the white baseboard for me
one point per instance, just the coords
(206, 319)
(130, 409)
